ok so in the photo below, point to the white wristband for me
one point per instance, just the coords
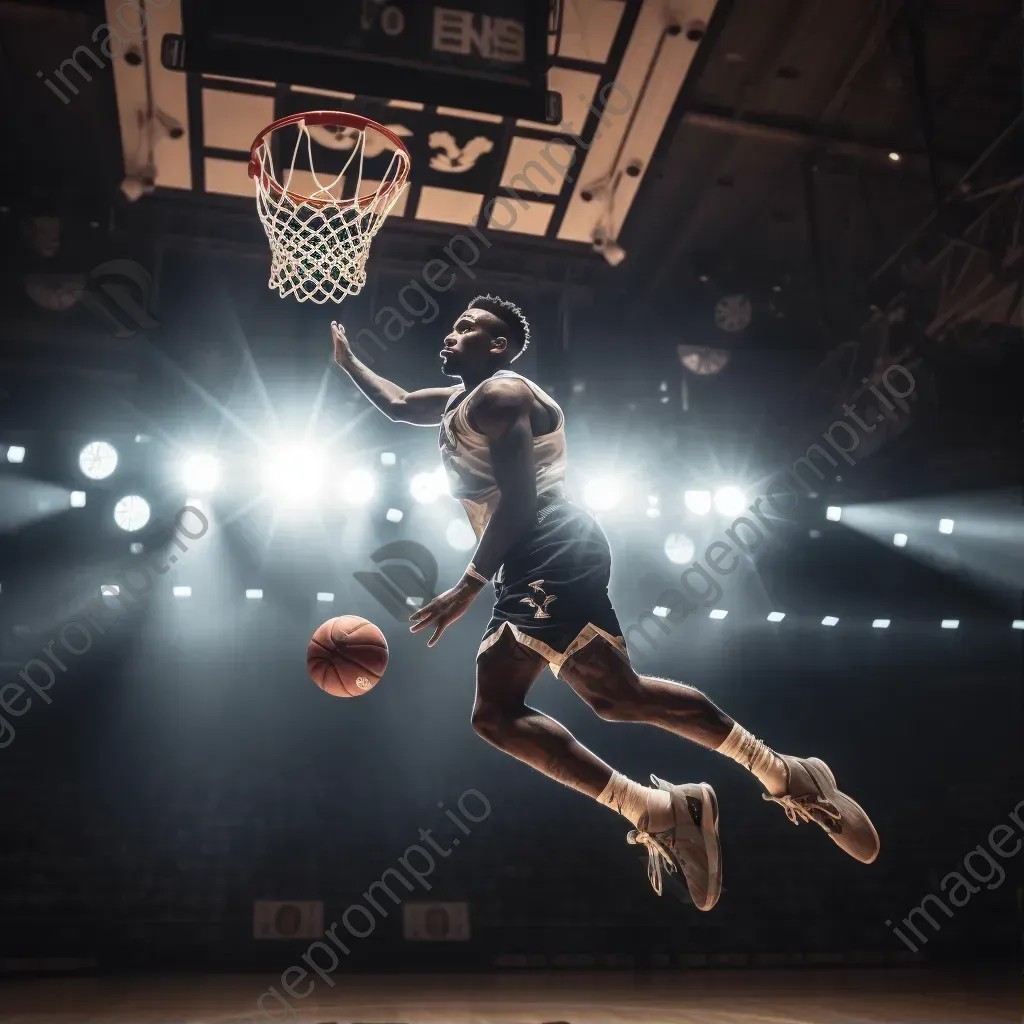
(471, 571)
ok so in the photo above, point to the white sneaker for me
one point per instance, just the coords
(812, 795)
(691, 847)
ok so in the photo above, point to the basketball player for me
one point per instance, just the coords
(502, 443)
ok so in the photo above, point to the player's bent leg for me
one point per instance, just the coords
(805, 788)
(505, 672)
(678, 825)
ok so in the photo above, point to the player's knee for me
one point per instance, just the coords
(489, 721)
(618, 707)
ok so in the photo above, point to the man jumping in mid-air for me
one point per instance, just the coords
(502, 442)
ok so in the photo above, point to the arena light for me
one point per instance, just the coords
(395, 515)
(98, 460)
(295, 475)
(77, 499)
(602, 493)
(730, 500)
(776, 616)
(325, 597)
(110, 590)
(201, 472)
(358, 487)
(717, 613)
(833, 513)
(182, 592)
(945, 526)
(254, 595)
(423, 488)
(136, 548)
(880, 624)
(1017, 624)
(131, 513)
(899, 539)
(829, 620)
(950, 623)
(698, 502)
(679, 549)
(16, 454)
(653, 513)
(388, 458)
(661, 611)
(460, 535)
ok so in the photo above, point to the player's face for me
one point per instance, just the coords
(470, 342)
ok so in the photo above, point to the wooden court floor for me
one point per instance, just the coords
(720, 997)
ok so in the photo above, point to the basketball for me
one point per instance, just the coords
(347, 656)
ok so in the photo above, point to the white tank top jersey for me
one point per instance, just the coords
(466, 455)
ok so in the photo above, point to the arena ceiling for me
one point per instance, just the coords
(791, 142)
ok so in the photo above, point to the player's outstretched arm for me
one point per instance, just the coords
(422, 408)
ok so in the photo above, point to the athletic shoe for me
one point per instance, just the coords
(691, 847)
(812, 796)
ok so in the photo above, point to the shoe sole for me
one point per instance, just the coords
(847, 806)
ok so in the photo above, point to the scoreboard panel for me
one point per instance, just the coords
(491, 55)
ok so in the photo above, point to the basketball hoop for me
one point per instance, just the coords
(320, 224)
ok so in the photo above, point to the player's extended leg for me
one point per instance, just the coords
(804, 787)
(677, 824)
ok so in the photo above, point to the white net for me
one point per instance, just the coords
(320, 233)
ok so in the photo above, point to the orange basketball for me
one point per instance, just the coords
(347, 656)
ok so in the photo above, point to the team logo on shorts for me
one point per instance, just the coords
(540, 611)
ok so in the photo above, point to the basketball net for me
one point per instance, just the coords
(319, 239)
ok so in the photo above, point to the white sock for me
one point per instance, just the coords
(633, 801)
(760, 760)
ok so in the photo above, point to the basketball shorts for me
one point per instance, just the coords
(552, 591)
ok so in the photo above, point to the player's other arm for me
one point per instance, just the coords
(502, 413)
(421, 408)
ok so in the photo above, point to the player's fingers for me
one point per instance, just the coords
(442, 626)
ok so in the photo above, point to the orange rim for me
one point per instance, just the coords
(380, 197)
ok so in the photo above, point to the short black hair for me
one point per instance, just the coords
(511, 316)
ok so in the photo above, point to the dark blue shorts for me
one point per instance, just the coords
(552, 591)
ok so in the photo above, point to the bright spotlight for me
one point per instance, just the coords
(945, 526)
(730, 500)
(880, 624)
(602, 494)
(895, 157)
(254, 595)
(15, 454)
(829, 620)
(295, 476)
(460, 535)
(899, 539)
(325, 596)
(1017, 624)
(833, 513)
(131, 513)
(776, 616)
(182, 591)
(395, 515)
(78, 499)
(387, 458)
(950, 623)
(679, 548)
(200, 473)
(661, 611)
(717, 613)
(424, 489)
(698, 502)
(358, 487)
(110, 590)
(97, 460)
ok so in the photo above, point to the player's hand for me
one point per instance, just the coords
(343, 354)
(445, 609)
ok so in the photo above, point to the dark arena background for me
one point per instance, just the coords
(771, 251)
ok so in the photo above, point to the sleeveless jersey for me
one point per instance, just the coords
(466, 455)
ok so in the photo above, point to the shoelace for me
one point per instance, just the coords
(655, 854)
(804, 808)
